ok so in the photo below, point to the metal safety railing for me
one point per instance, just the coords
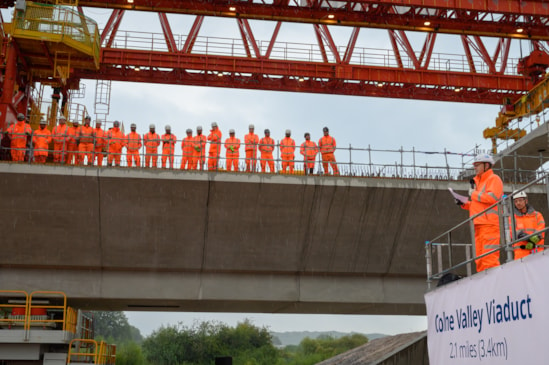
(304, 52)
(37, 310)
(53, 22)
(444, 255)
(91, 352)
(350, 161)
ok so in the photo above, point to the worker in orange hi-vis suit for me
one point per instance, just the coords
(215, 147)
(85, 145)
(168, 147)
(287, 152)
(251, 140)
(19, 133)
(232, 145)
(100, 143)
(59, 135)
(151, 141)
(266, 147)
(527, 222)
(187, 148)
(116, 140)
(309, 151)
(41, 140)
(199, 150)
(486, 189)
(72, 143)
(133, 145)
(327, 147)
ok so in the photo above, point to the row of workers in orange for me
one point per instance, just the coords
(73, 144)
(194, 150)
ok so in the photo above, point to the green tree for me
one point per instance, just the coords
(201, 343)
(114, 327)
(130, 353)
(311, 351)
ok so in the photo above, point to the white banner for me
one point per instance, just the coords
(499, 316)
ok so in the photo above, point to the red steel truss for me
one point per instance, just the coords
(485, 78)
(501, 18)
(411, 73)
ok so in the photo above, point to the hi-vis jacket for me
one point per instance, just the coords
(529, 222)
(488, 190)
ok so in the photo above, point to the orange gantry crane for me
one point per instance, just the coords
(408, 72)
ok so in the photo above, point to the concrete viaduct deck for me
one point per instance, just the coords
(127, 239)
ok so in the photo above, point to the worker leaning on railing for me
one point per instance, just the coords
(187, 148)
(527, 222)
(251, 141)
(168, 147)
(72, 144)
(309, 150)
(59, 135)
(133, 145)
(232, 154)
(40, 140)
(287, 149)
(266, 147)
(199, 150)
(19, 133)
(486, 189)
(151, 141)
(85, 142)
(215, 147)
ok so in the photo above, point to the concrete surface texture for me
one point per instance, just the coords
(122, 239)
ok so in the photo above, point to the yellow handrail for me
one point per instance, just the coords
(39, 307)
(91, 351)
(11, 318)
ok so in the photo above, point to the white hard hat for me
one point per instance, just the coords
(520, 194)
(214, 124)
(151, 126)
(62, 117)
(199, 128)
(484, 157)
(168, 127)
(231, 131)
(288, 131)
(189, 130)
(251, 126)
(43, 121)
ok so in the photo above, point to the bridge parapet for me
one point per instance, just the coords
(124, 238)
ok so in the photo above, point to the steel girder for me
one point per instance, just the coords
(490, 82)
(221, 71)
(501, 18)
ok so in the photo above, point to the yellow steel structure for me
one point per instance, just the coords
(66, 37)
(534, 102)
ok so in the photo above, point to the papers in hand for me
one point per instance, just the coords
(457, 196)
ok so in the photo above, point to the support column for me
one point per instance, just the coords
(7, 110)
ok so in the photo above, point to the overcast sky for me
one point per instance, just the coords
(357, 121)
